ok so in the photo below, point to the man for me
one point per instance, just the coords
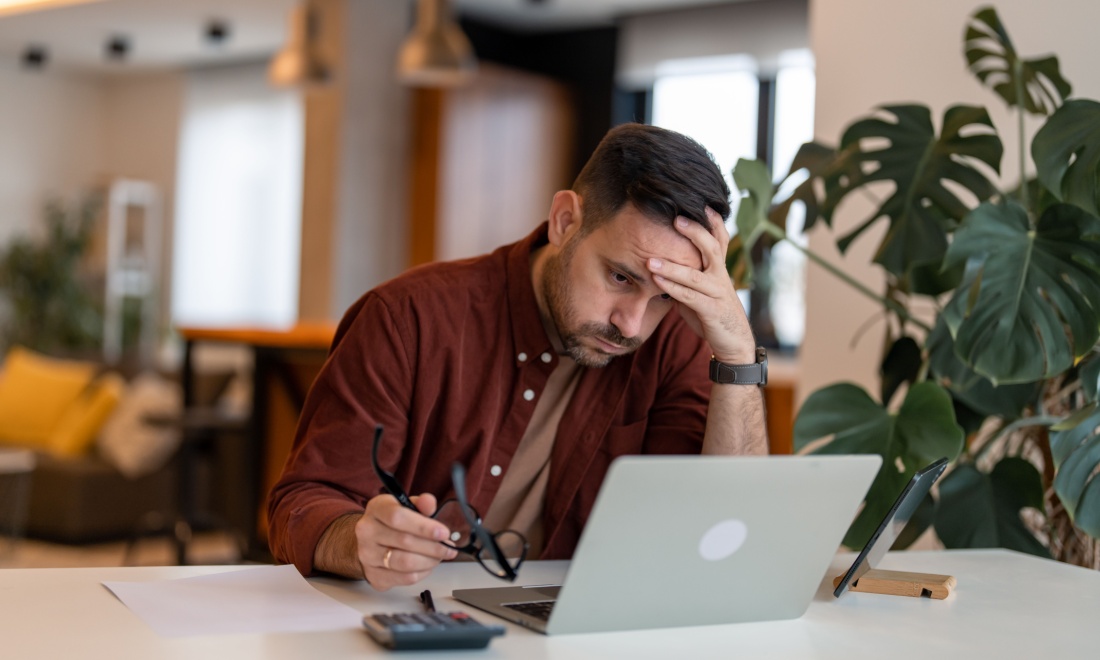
(533, 367)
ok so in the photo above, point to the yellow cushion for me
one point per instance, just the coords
(80, 424)
(35, 391)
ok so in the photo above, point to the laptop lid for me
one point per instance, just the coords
(696, 540)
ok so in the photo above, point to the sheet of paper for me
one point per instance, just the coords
(249, 601)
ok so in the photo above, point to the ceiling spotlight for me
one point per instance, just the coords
(35, 57)
(117, 48)
(217, 32)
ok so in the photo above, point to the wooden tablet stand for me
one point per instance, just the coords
(902, 583)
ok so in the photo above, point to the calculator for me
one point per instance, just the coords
(429, 630)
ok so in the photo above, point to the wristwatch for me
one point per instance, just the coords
(741, 374)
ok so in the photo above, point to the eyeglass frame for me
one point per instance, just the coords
(481, 539)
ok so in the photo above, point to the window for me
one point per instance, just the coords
(238, 202)
(735, 111)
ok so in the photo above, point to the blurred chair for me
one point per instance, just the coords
(204, 428)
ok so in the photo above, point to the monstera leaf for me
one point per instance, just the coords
(1030, 301)
(814, 162)
(751, 176)
(922, 208)
(1090, 376)
(901, 365)
(922, 431)
(1076, 452)
(979, 510)
(1067, 154)
(1035, 85)
(974, 390)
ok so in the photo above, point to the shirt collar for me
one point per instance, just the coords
(528, 335)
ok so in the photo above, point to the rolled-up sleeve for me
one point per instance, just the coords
(364, 382)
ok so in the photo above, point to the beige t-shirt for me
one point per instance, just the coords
(518, 503)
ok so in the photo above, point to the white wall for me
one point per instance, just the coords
(51, 142)
(369, 233)
(761, 29)
(140, 134)
(870, 52)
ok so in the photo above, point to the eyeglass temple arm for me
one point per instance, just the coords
(458, 479)
(389, 483)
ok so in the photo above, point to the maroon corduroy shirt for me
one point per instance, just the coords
(451, 358)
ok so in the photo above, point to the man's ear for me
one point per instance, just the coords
(565, 216)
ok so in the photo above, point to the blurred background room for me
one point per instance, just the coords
(192, 193)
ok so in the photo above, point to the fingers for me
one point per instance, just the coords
(709, 302)
(398, 546)
(712, 245)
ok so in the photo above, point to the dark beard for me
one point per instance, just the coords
(559, 301)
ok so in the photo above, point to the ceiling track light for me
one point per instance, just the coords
(436, 53)
(35, 57)
(217, 32)
(117, 48)
(298, 64)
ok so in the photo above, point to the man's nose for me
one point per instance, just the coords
(628, 318)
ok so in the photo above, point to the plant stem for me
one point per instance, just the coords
(778, 233)
(1021, 110)
(1037, 420)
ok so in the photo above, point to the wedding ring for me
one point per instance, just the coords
(386, 559)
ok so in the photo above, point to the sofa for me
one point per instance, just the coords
(106, 450)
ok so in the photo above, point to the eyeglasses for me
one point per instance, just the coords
(501, 554)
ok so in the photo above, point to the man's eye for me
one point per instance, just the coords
(665, 296)
(619, 278)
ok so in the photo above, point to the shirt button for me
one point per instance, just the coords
(495, 470)
(522, 357)
(529, 394)
(546, 358)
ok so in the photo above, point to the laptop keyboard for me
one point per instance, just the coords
(540, 609)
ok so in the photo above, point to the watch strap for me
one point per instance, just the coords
(741, 374)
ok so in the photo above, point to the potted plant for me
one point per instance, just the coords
(1002, 378)
(50, 303)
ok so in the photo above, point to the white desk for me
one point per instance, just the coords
(1006, 605)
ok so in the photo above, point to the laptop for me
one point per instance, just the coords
(696, 540)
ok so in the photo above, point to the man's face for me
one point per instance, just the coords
(599, 292)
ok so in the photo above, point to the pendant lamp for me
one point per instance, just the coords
(298, 63)
(436, 53)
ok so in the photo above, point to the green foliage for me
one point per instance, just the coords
(980, 510)
(50, 306)
(975, 391)
(1030, 292)
(1013, 278)
(753, 177)
(921, 431)
(922, 207)
(901, 365)
(1090, 376)
(1067, 154)
(1076, 452)
(1034, 85)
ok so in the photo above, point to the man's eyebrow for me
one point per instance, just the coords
(628, 272)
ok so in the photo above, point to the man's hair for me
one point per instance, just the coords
(662, 173)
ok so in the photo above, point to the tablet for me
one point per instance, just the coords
(892, 524)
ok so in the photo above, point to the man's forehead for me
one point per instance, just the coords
(633, 236)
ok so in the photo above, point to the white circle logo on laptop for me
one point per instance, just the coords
(723, 539)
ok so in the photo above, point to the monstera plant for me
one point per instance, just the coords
(1002, 376)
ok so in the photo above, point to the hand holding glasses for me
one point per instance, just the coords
(501, 554)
